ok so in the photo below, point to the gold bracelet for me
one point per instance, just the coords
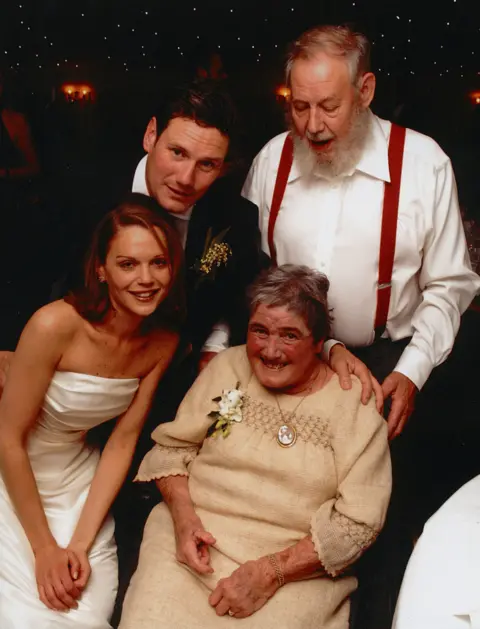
(278, 571)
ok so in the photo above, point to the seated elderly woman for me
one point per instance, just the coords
(275, 480)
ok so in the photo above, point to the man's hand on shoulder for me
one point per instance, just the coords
(344, 364)
(402, 391)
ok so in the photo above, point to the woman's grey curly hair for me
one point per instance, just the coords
(301, 289)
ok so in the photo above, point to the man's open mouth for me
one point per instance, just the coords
(321, 144)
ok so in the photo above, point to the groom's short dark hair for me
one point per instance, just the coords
(204, 101)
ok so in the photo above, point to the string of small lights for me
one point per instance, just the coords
(440, 41)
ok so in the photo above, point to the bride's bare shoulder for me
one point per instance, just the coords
(57, 318)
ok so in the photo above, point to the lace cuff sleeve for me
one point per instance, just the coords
(164, 461)
(339, 540)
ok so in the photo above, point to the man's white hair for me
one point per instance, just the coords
(336, 41)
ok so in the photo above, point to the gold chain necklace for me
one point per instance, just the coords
(287, 433)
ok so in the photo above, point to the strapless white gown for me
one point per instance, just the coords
(64, 467)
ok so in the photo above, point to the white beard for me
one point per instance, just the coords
(342, 159)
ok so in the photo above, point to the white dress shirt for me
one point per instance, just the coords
(334, 227)
(219, 337)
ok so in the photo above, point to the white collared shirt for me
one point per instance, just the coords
(219, 337)
(334, 227)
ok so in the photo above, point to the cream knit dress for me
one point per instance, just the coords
(256, 498)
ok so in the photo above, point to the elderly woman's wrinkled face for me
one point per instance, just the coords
(281, 349)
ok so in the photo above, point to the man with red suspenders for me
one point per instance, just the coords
(373, 206)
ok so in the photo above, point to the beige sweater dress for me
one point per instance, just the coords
(257, 497)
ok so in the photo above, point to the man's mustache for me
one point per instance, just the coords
(318, 137)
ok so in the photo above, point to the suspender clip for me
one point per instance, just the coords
(385, 285)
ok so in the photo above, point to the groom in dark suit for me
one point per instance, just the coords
(190, 144)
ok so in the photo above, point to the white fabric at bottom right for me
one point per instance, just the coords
(441, 586)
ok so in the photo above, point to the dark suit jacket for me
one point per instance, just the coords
(223, 297)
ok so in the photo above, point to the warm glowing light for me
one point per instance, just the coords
(76, 91)
(284, 91)
(475, 97)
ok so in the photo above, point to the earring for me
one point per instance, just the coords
(101, 279)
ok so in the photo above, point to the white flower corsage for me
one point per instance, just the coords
(229, 411)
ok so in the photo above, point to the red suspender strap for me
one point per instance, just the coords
(389, 226)
(284, 167)
(389, 216)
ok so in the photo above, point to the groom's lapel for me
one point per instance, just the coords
(201, 220)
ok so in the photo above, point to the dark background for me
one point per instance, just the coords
(426, 55)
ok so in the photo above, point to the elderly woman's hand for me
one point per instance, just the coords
(192, 545)
(246, 590)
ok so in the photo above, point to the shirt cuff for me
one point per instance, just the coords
(415, 365)
(218, 339)
(327, 348)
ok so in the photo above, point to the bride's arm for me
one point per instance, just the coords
(39, 350)
(36, 357)
(117, 456)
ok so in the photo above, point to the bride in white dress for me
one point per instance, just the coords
(82, 361)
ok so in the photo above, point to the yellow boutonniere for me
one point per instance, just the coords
(215, 254)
